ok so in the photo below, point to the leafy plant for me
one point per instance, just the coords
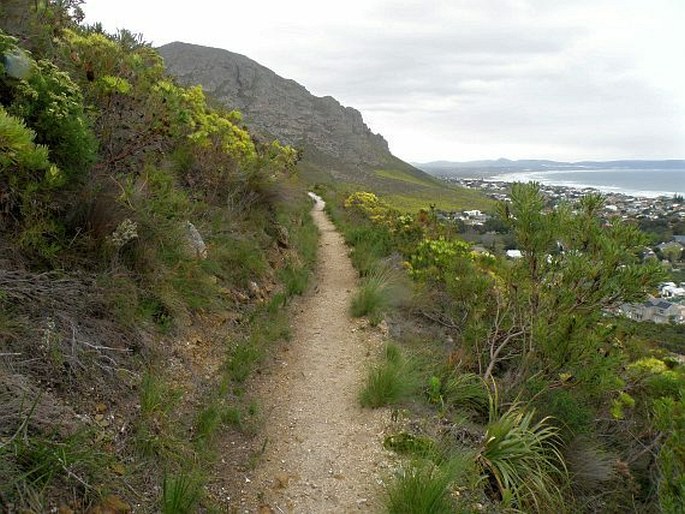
(521, 458)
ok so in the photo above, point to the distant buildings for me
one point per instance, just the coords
(656, 310)
(670, 306)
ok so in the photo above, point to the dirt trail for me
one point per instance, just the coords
(324, 452)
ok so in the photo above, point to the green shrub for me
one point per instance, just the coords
(573, 415)
(52, 105)
(669, 417)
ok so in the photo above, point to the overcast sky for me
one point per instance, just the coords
(461, 79)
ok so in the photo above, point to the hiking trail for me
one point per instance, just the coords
(322, 452)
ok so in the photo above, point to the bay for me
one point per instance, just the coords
(631, 182)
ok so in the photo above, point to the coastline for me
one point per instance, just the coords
(547, 178)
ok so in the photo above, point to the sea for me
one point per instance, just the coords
(632, 182)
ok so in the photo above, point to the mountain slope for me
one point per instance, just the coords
(334, 138)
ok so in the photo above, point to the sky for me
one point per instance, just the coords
(461, 80)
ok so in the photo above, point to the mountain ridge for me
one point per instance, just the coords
(503, 164)
(332, 135)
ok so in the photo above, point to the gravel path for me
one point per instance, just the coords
(324, 453)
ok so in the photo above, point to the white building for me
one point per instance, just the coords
(670, 290)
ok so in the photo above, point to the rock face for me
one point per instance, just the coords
(328, 132)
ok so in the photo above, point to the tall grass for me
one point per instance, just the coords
(370, 244)
(465, 391)
(379, 290)
(33, 466)
(392, 381)
(424, 487)
(180, 494)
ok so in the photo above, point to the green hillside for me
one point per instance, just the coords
(148, 246)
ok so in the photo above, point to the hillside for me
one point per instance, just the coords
(148, 248)
(337, 145)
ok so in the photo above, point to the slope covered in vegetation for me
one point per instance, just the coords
(144, 236)
(516, 384)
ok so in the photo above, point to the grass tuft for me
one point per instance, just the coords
(379, 290)
(180, 494)
(421, 488)
(295, 279)
(391, 382)
(207, 422)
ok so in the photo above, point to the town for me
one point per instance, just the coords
(663, 218)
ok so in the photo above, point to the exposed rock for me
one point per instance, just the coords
(196, 244)
(254, 289)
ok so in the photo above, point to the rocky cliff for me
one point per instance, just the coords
(328, 132)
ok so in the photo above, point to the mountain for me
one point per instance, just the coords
(333, 137)
(499, 165)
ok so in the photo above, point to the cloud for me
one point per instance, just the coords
(458, 79)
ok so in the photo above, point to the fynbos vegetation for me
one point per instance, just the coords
(557, 402)
(144, 235)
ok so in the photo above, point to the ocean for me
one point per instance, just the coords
(632, 182)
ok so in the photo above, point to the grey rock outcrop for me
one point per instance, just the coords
(195, 245)
(327, 131)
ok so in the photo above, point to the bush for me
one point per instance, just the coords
(573, 415)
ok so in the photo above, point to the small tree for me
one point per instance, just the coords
(575, 268)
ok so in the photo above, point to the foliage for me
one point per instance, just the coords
(46, 146)
(433, 258)
(541, 329)
(379, 289)
(104, 164)
(368, 205)
(390, 382)
(52, 105)
(180, 494)
(421, 488)
(522, 458)
(670, 419)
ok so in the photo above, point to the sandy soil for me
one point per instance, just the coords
(323, 452)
